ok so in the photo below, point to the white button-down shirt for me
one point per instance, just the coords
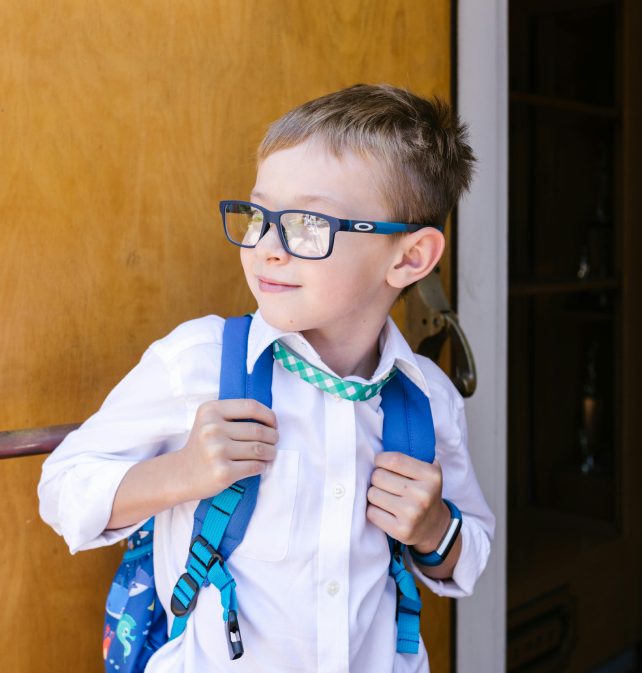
(312, 572)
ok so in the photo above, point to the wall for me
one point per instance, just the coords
(482, 96)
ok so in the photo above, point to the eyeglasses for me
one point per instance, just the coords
(303, 233)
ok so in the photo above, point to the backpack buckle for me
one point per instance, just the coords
(233, 632)
(208, 556)
(178, 608)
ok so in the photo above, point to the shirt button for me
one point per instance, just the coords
(338, 491)
(333, 588)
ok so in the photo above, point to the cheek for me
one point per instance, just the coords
(245, 256)
(246, 263)
(353, 281)
(362, 268)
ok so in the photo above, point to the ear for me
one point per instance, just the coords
(417, 255)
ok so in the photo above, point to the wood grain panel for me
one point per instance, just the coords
(123, 124)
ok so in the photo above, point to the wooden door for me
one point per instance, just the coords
(123, 124)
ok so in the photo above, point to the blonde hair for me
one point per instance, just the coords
(421, 144)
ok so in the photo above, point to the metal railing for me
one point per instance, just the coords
(32, 442)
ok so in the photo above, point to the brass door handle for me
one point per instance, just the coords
(430, 321)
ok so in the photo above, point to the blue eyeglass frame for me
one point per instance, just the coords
(336, 224)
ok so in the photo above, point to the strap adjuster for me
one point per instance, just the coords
(233, 632)
(214, 556)
(178, 608)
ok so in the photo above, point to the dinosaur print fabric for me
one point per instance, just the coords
(135, 622)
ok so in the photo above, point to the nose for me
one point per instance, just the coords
(270, 246)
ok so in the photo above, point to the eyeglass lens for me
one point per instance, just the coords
(306, 235)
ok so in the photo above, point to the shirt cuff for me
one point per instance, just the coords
(475, 548)
(85, 505)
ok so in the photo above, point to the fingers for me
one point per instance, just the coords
(410, 507)
(238, 439)
(251, 432)
(391, 481)
(241, 469)
(236, 410)
(249, 451)
(384, 500)
(401, 517)
(408, 467)
(405, 497)
(383, 520)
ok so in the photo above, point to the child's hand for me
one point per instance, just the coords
(225, 446)
(405, 500)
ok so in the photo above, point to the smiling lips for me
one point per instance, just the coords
(269, 285)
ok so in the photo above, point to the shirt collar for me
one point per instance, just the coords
(394, 350)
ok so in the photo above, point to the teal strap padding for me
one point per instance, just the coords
(408, 605)
(219, 513)
(218, 516)
(178, 626)
(221, 578)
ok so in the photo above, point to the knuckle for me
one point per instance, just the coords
(221, 473)
(376, 477)
(250, 406)
(395, 461)
(404, 531)
(210, 431)
(214, 455)
(423, 500)
(206, 409)
(414, 512)
(391, 459)
(201, 434)
(258, 449)
(433, 474)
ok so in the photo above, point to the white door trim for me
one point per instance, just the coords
(482, 262)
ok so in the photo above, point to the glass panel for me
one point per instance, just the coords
(306, 234)
(243, 223)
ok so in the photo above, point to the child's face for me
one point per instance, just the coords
(348, 289)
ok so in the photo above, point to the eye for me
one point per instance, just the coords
(312, 222)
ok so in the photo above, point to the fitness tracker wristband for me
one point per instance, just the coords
(435, 558)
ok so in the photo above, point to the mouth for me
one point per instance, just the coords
(270, 285)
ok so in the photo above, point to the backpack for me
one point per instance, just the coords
(135, 621)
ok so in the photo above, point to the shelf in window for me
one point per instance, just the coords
(570, 286)
(564, 104)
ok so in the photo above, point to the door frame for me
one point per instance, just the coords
(482, 297)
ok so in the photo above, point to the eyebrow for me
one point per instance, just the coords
(305, 199)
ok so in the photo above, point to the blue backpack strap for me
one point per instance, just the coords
(407, 428)
(220, 522)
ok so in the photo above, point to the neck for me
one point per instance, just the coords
(352, 354)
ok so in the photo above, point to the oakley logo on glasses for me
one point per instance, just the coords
(364, 226)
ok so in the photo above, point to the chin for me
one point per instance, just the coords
(282, 322)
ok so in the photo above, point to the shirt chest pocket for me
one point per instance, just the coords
(268, 534)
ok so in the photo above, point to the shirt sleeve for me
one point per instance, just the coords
(143, 416)
(460, 485)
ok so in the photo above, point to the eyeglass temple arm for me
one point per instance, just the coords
(374, 227)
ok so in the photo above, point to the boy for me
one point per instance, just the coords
(312, 570)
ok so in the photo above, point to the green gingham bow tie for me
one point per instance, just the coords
(348, 390)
